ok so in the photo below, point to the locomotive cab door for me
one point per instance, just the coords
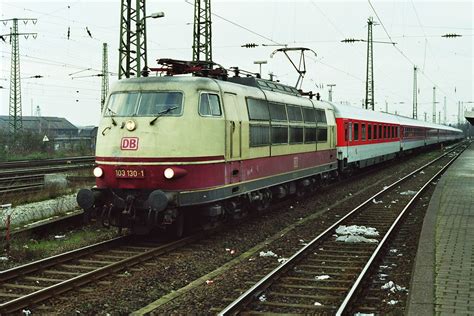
(234, 126)
(233, 136)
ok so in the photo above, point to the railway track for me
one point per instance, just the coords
(32, 283)
(21, 176)
(326, 275)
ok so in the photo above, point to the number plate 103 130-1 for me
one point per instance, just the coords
(129, 173)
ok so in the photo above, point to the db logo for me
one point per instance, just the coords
(129, 143)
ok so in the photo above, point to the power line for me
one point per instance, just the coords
(401, 52)
(240, 26)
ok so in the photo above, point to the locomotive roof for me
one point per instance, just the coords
(352, 112)
(264, 84)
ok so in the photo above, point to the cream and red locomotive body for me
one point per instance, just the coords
(174, 148)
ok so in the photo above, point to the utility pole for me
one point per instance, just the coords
(444, 110)
(330, 85)
(386, 106)
(105, 76)
(415, 95)
(369, 82)
(459, 112)
(132, 48)
(434, 105)
(15, 121)
(202, 35)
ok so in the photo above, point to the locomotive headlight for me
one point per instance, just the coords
(130, 125)
(98, 172)
(169, 173)
(174, 173)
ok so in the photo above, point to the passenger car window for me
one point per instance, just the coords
(209, 105)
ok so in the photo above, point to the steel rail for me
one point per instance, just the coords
(266, 281)
(48, 169)
(60, 258)
(80, 280)
(350, 295)
(45, 162)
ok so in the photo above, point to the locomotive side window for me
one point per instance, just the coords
(258, 109)
(309, 134)
(309, 115)
(380, 132)
(294, 113)
(277, 112)
(296, 135)
(209, 105)
(279, 135)
(321, 116)
(363, 132)
(322, 135)
(369, 137)
(259, 135)
(356, 131)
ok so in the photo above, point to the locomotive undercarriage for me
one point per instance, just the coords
(143, 211)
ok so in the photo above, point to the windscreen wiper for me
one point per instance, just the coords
(114, 123)
(163, 112)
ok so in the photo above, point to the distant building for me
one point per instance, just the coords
(45, 125)
(61, 133)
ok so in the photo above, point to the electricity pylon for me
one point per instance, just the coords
(15, 121)
(369, 82)
(415, 94)
(105, 77)
(202, 35)
(132, 48)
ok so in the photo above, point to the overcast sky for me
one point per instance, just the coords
(416, 26)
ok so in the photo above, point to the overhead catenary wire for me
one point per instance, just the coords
(240, 26)
(403, 53)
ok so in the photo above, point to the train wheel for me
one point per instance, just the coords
(176, 229)
(264, 203)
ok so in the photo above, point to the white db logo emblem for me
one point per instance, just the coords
(129, 143)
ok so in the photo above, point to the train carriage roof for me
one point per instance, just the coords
(352, 112)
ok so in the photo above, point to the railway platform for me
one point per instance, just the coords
(443, 278)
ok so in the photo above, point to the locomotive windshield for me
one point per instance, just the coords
(144, 104)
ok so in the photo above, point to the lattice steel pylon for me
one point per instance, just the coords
(105, 76)
(202, 34)
(132, 48)
(15, 121)
(369, 82)
(415, 94)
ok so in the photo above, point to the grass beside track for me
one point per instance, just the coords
(25, 249)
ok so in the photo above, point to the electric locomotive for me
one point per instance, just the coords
(173, 148)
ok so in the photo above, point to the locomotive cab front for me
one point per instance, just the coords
(157, 137)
